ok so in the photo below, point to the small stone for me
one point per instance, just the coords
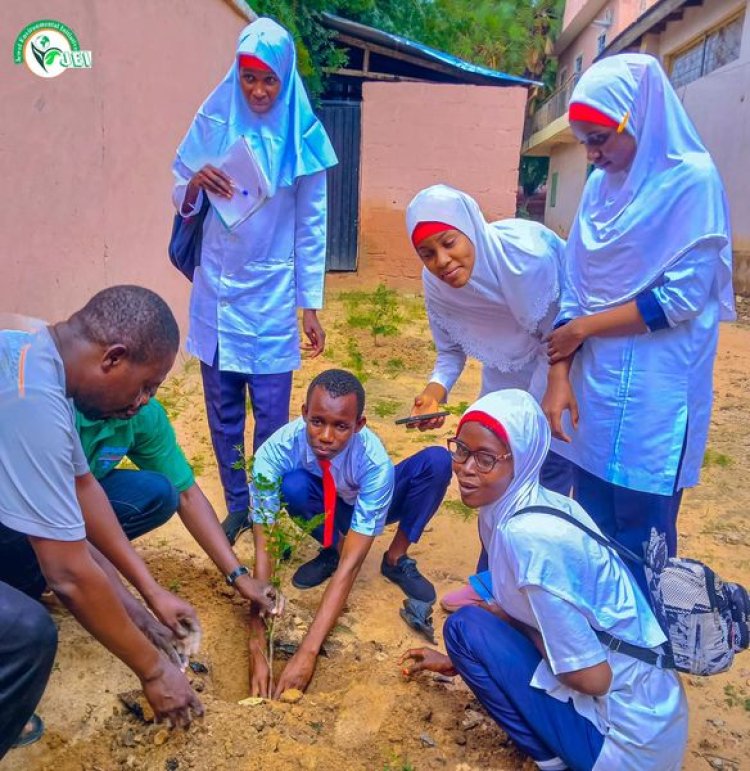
(251, 701)
(715, 762)
(136, 702)
(717, 723)
(171, 764)
(438, 678)
(127, 739)
(427, 715)
(160, 737)
(199, 667)
(471, 720)
(296, 712)
(459, 739)
(427, 740)
(291, 696)
(198, 685)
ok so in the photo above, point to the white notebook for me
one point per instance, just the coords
(251, 186)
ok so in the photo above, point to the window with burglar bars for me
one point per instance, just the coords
(715, 49)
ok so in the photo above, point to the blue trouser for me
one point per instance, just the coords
(497, 662)
(28, 641)
(557, 474)
(225, 394)
(628, 515)
(419, 488)
(142, 501)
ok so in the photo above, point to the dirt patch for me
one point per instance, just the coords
(359, 714)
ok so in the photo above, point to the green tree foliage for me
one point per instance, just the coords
(510, 35)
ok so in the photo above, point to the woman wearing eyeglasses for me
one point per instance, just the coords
(647, 278)
(533, 658)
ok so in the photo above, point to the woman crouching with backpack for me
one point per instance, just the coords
(532, 656)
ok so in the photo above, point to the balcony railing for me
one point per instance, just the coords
(550, 109)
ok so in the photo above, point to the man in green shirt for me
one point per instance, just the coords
(146, 498)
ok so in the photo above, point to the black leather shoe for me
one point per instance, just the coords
(235, 525)
(317, 570)
(405, 574)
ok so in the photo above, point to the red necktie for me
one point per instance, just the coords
(329, 502)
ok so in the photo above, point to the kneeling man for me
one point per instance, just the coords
(328, 461)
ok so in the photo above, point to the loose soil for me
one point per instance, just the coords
(359, 714)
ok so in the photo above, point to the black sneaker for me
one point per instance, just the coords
(317, 570)
(405, 574)
(236, 523)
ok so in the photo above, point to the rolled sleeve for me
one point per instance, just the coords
(651, 312)
(271, 462)
(686, 287)
(182, 177)
(374, 499)
(310, 240)
(569, 640)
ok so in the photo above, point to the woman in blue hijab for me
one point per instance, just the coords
(253, 277)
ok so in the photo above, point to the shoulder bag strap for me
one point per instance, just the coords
(660, 660)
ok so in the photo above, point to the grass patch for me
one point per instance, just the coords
(396, 764)
(456, 409)
(427, 438)
(716, 458)
(394, 366)
(198, 464)
(459, 508)
(375, 312)
(385, 408)
(356, 361)
(735, 697)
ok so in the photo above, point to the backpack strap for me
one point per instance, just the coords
(660, 660)
(623, 551)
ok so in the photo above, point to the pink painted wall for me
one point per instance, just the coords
(86, 156)
(419, 134)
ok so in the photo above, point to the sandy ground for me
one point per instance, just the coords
(359, 713)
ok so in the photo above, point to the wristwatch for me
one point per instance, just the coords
(240, 570)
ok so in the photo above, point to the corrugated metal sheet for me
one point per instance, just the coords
(462, 70)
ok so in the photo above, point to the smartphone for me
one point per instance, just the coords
(412, 419)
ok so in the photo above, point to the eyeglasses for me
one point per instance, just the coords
(484, 461)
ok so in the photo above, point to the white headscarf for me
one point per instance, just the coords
(529, 438)
(288, 141)
(634, 225)
(515, 275)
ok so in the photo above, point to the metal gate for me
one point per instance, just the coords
(342, 122)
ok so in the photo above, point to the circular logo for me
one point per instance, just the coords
(46, 47)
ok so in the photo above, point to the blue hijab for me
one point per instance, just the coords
(288, 141)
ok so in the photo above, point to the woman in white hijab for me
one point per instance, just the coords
(254, 277)
(533, 658)
(491, 292)
(647, 278)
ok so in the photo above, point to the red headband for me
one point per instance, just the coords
(253, 63)
(494, 425)
(426, 229)
(583, 112)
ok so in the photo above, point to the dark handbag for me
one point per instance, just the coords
(186, 241)
(706, 620)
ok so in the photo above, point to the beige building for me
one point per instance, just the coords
(704, 45)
